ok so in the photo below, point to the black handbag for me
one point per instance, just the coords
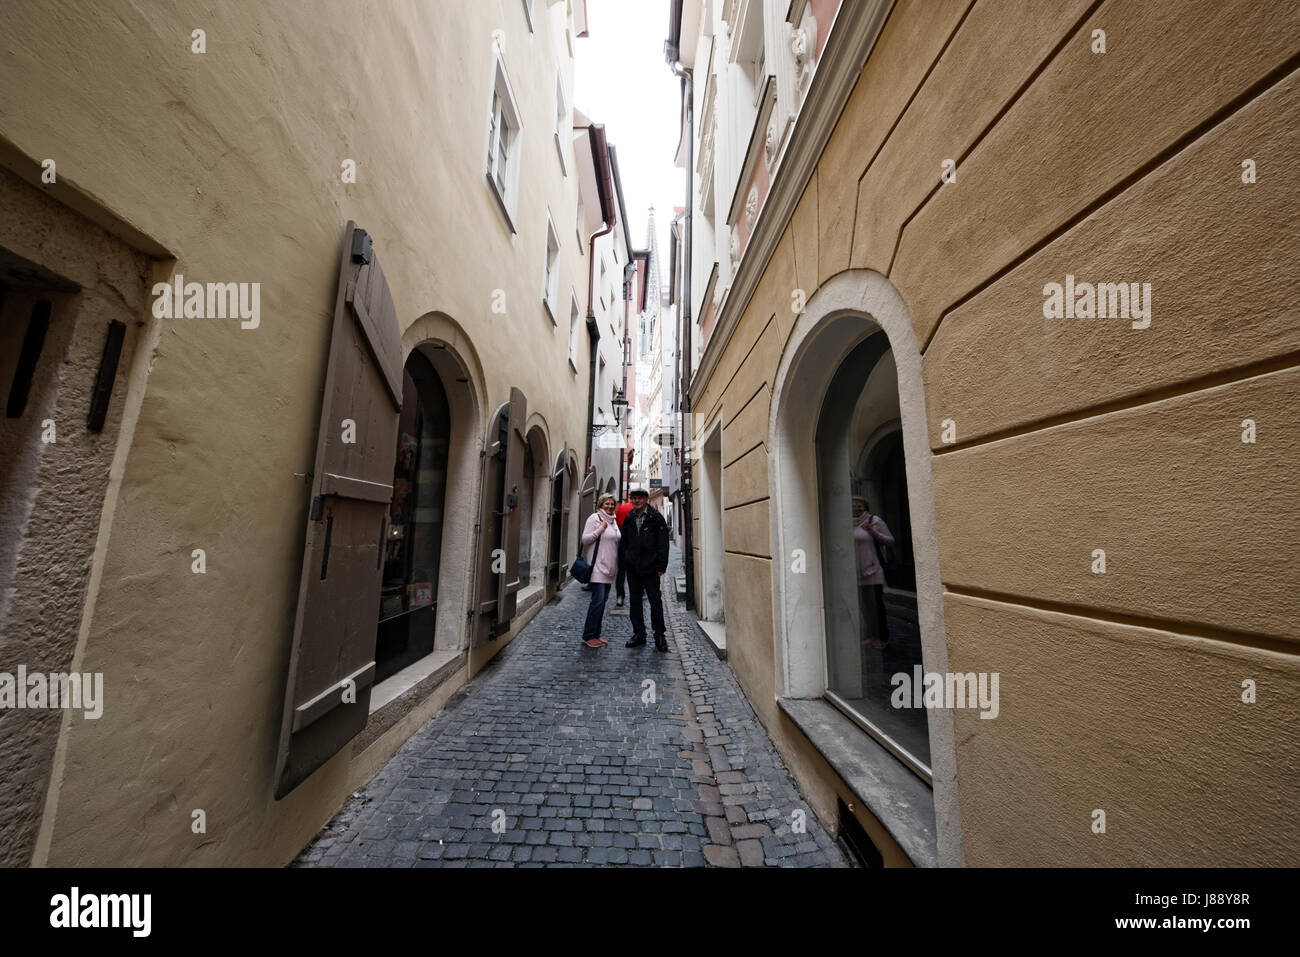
(581, 569)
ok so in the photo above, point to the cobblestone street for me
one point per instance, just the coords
(558, 754)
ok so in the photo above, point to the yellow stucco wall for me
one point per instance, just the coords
(1119, 691)
(231, 160)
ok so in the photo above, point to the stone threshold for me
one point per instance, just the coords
(715, 633)
(900, 801)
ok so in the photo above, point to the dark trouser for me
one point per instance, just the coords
(596, 610)
(620, 579)
(871, 603)
(649, 584)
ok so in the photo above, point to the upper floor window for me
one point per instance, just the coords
(561, 124)
(551, 274)
(574, 323)
(504, 127)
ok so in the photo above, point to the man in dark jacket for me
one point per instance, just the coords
(643, 551)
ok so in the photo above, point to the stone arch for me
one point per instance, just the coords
(843, 312)
(535, 497)
(442, 341)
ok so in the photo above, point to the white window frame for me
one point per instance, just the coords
(551, 271)
(575, 321)
(561, 123)
(503, 112)
(528, 14)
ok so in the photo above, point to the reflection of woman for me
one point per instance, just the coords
(867, 530)
(602, 532)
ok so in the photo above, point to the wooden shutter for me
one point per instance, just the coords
(338, 594)
(566, 516)
(509, 584)
(499, 516)
(587, 500)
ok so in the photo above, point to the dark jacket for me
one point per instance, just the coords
(646, 552)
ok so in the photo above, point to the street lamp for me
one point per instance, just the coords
(620, 404)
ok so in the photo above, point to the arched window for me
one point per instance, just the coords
(413, 545)
(526, 517)
(868, 578)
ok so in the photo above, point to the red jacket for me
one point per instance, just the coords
(620, 513)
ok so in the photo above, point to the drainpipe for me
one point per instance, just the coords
(604, 186)
(629, 279)
(684, 338)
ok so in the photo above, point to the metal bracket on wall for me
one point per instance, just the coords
(103, 390)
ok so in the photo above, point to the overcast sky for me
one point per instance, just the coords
(622, 80)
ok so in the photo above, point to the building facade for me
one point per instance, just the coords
(927, 240)
(297, 409)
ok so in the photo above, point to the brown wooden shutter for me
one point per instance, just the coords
(587, 500)
(566, 517)
(509, 583)
(493, 483)
(503, 473)
(338, 594)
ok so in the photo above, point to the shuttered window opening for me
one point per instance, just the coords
(556, 567)
(332, 657)
(412, 546)
(499, 520)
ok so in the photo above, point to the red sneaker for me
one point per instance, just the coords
(594, 643)
(602, 641)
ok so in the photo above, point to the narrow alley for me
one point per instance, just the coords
(616, 756)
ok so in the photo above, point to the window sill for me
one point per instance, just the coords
(901, 801)
(573, 365)
(715, 633)
(550, 313)
(394, 698)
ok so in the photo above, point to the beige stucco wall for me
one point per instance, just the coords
(231, 160)
(1121, 691)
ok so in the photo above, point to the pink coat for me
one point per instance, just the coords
(604, 566)
(869, 570)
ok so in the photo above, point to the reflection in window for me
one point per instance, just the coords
(869, 577)
(413, 543)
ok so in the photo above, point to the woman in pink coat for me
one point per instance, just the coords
(601, 534)
(867, 530)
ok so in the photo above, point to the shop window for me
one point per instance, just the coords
(868, 575)
(413, 544)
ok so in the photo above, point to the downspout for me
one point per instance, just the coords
(684, 338)
(600, 157)
(629, 278)
(629, 273)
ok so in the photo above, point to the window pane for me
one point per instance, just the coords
(494, 125)
(413, 546)
(869, 579)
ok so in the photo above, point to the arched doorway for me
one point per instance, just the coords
(534, 519)
(563, 492)
(413, 536)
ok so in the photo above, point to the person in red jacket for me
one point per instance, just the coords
(620, 513)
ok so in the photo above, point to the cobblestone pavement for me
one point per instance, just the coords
(561, 755)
